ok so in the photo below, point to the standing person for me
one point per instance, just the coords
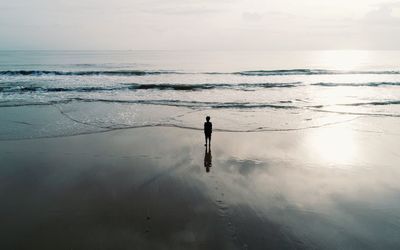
(207, 130)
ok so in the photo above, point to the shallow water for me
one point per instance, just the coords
(77, 92)
(149, 188)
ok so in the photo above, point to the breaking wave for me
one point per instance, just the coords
(197, 104)
(375, 103)
(368, 84)
(176, 103)
(15, 88)
(161, 86)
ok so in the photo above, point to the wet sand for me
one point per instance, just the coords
(148, 188)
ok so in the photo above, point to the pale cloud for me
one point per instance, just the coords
(199, 24)
(252, 16)
(386, 14)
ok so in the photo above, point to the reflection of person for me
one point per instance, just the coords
(208, 160)
(207, 130)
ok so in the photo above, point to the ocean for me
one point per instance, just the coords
(62, 93)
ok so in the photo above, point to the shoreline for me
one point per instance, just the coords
(257, 130)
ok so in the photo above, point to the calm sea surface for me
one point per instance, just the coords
(58, 93)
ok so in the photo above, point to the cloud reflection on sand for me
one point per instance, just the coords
(149, 187)
(352, 202)
(334, 145)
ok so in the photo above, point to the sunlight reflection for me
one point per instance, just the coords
(344, 59)
(336, 96)
(334, 145)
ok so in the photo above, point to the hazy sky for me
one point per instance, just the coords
(199, 24)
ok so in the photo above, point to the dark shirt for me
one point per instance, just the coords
(207, 128)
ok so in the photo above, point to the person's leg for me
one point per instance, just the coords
(209, 140)
(205, 136)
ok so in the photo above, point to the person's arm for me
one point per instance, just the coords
(205, 127)
(210, 127)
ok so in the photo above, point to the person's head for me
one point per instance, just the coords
(208, 118)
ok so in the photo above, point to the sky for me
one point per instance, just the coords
(200, 24)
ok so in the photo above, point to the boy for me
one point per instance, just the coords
(208, 130)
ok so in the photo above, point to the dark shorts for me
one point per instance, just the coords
(208, 135)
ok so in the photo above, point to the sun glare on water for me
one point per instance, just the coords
(336, 145)
(344, 59)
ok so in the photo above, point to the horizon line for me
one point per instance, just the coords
(205, 50)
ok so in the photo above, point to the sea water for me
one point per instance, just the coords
(61, 93)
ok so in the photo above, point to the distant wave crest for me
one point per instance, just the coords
(84, 73)
(160, 72)
(311, 72)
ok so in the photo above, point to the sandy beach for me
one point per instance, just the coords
(106, 106)
(148, 188)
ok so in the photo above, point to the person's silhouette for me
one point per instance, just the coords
(208, 130)
(208, 160)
